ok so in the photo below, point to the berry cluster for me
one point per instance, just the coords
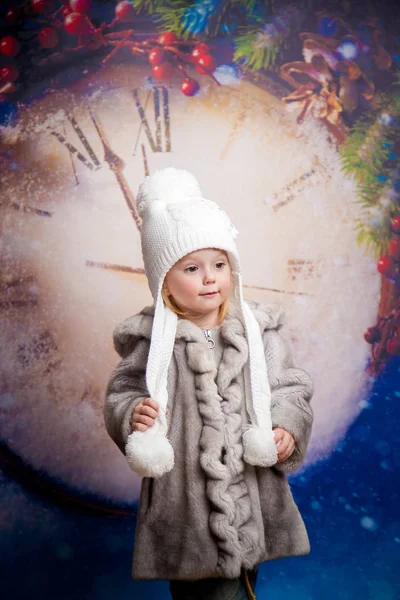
(385, 335)
(389, 264)
(166, 54)
(384, 338)
(66, 27)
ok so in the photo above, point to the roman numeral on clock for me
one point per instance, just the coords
(18, 293)
(40, 351)
(304, 269)
(92, 162)
(161, 117)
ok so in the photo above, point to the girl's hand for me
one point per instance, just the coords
(144, 415)
(285, 443)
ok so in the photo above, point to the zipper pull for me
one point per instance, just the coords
(210, 341)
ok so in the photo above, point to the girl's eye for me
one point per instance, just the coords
(192, 269)
(220, 265)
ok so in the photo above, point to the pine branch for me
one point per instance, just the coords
(256, 57)
(149, 6)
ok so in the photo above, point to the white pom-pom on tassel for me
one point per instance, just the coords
(259, 447)
(168, 186)
(149, 455)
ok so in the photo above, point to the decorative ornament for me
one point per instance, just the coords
(190, 87)
(166, 53)
(80, 6)
(384, 338)
(373, 335)
(157, 56)
(14, 15)
(206, 64)
(9, 46)
(76, 24)
(386, 265)
(393, 345)
(394, 248)
(395, 223)
(42, 6)
(167, 38)
(48, 37)
(8, 74)
(163, 71)
(124, 11)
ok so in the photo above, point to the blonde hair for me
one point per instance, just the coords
(171, 304)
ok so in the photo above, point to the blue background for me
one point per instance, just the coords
(350, 503)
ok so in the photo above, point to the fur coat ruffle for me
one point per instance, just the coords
(212, 514)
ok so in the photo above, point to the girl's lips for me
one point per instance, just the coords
(209, 294)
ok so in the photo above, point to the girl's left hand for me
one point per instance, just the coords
(285, 443)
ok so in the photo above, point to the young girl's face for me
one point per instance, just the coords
(200, 282)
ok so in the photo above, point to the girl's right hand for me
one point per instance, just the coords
(144, 415)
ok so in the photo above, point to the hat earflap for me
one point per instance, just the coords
(149, 453)
(259, 448)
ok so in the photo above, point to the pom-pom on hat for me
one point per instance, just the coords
(177, 220)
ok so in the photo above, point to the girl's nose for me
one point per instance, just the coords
(209, 277)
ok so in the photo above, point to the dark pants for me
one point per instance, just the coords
(214, 589)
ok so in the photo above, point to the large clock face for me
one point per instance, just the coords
(71, 262)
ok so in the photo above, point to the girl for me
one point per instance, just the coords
(215, 501)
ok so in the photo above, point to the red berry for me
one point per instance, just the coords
(189, 86)
(163, 71)
(65, 11)
(42, 6)
(167, 38)
(393, 345)
(208, 62)
(13, 15)
(200, 50)
(75, 24)
(156, 56)
(48, 37)
(373, 335)
(396, 224)
(394, 247)
(9, 45)
(386, 265)
(9, 74)
(124, 11)
(80, 6)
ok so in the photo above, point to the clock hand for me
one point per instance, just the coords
(116, 165)
(233, 134)
(125, 269)
(266, 289)
(295, 187)
(112, 267)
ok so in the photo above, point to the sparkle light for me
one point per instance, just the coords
(227, 75)
(369, 523)
(348, 50)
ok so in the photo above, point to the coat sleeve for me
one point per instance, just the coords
(126, 388)
(291, 392)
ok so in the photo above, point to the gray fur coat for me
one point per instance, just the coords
(212, 514)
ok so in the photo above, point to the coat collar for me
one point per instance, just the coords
(270, 316)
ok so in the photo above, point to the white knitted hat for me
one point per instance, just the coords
(177, 220)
